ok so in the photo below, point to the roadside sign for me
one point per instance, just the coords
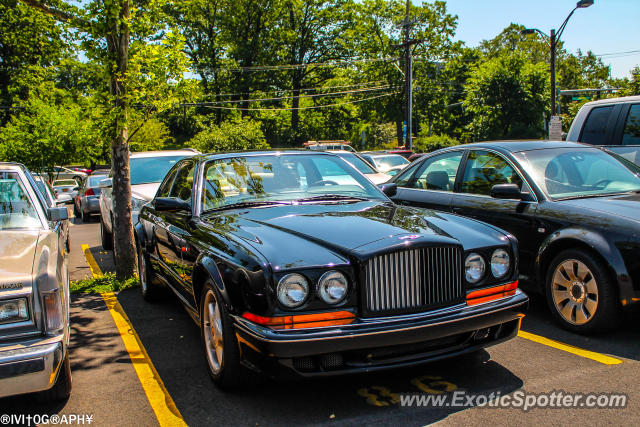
(555, 128)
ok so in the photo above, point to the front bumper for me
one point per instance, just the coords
(30, 366)
(380, 343)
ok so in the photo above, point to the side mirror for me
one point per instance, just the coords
(170, 204)
(58, 214)
(106, 183)
(506, 191)
(389, 189)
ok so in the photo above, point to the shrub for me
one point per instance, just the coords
(426, 144)
(238, 134)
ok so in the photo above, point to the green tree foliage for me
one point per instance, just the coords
(506, 97)
(48, 134)
(31, 44)
(425, 143)
(235, 135)
(151, 135)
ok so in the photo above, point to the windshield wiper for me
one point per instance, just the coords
(252, 204)
(331, 197)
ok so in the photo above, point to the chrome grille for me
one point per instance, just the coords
(414, 280)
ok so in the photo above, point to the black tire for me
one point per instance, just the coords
(106, 238)
(61, 390)
(76, 212)
(150, 292)
(583, 288)
(84, 218)
(231, 374)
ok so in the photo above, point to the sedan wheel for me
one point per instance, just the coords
(580, 293)
(575, 292)
(219, 342)
(149, 290)
(214, 341)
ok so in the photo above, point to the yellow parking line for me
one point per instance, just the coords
(598, 357)
(165, 409)
(159, 398)
(93, 265)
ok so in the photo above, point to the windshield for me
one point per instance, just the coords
(94, 180)
(282, 178)
(147, 170)
(357, 163)
(384, 163)
(16, 210)
(577, 172)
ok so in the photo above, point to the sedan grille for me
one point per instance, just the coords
(414, 280)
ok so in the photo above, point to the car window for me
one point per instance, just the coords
(183, 184)
(631, 135)
(578, 172)
(165, 187)
(358, 163)
(147, 170)
(16, 210)
(281, 178)
(595, 126)
(485, 169)
(438, 172)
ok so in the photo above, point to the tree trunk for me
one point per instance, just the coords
(122, 226)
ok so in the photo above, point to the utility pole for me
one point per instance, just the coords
(406, 45)
(552, 45)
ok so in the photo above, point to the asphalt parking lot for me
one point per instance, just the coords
(136, 363)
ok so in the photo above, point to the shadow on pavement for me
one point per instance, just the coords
(624, 341)
(172, 341)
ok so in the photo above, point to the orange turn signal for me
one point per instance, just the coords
(300, 321)
(490, 294)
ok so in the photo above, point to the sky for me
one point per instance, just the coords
(609, 26)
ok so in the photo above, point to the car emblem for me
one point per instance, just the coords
(409, 237)
(12, 286)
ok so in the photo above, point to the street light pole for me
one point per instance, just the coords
(553, 40)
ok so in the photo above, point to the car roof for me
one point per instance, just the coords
(249, 153)
(619, 100)
(163, 153)
(12, 166)
(523, 145)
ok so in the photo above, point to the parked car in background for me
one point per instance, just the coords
(401, 152)
(80, 169)
(86, 203)
(613, 123)
(146, 170)
(59, 172)
(66, 190)
(389, 164)
(293, 263)
(34, 291)
(362, 166)
(574, 208)
(329, 146)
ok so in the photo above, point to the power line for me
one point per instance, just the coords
(619, 53)
(313, 107)
(308, 89)
(301, 66)
(241, 101)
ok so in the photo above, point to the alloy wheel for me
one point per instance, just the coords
(574, 291)
(212, 324)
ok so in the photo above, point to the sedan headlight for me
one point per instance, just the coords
(333, 287)
(293, 290)
(14, 310)
(474, 267)
(500, 263)
(137, 204)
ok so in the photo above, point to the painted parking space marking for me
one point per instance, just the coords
(93, 265)
(598, 357)
(159, 398)
(157, 394)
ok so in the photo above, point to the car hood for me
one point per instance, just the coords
(320, 234)
(627, 205)
(17, 251)
(145, 191)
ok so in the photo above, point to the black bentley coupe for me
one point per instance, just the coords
(574, 208)
(294, 263)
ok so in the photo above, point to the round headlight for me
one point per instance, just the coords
(333, 287)
(474, 268)
(500, 263)
(292, 290)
